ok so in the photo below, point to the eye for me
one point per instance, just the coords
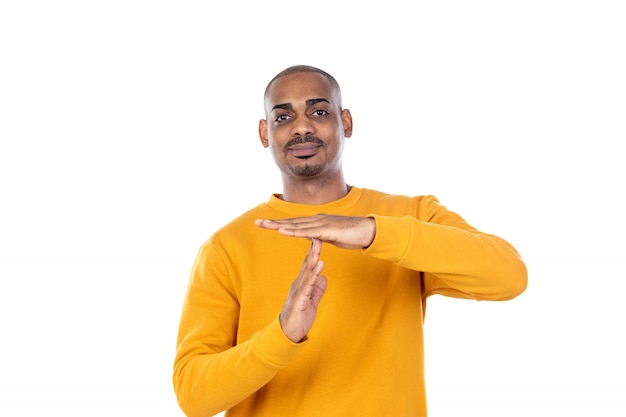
(320, 112)
(281, 118)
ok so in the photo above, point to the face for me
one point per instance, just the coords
(305, 127)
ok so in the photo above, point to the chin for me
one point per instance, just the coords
(306, 170)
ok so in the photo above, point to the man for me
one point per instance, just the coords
(265, 332)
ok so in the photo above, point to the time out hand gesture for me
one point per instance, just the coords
(298, 314)
(342, 231)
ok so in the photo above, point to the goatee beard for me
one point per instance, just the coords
(306, 170)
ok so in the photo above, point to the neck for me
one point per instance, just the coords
(314, 192)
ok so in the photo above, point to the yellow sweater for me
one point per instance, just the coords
(364, 354)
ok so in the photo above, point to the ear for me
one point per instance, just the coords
(263, 133)
(346, 119)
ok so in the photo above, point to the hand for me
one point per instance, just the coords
(342, 231)
(298, 314)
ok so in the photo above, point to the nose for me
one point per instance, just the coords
(302, 126)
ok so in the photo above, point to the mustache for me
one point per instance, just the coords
(303, 139)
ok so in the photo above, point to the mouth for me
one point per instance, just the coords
(304, 147)
(304, 150)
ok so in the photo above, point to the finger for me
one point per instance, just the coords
(313, 285)
(312, 260)
(282, 226)
(295, 222)
(311, 269)
(267, 224)
(307, 228)
(316, 247)
(318, 290)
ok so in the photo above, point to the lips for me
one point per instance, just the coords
(304, 150)
(304, 146)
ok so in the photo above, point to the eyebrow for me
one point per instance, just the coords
(309, 102)
(315, 101)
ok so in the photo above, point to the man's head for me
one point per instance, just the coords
(305, 125)
(305, 68)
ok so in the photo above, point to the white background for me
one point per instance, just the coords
(129, 134)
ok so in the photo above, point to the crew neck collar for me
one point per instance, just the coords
(310, 209)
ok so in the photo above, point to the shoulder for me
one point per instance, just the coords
(401, 202)
(426, 208)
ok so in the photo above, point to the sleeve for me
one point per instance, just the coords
(457, 260)
(211, 371)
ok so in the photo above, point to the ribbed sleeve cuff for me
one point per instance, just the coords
(274, 347)
(393, 235)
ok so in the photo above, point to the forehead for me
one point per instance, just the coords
(298, 87)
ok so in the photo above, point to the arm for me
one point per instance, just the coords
(458, 260)
(212, 372)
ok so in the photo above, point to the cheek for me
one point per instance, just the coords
(277, 152)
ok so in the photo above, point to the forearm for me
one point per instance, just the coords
(207, 383)
(480, 265)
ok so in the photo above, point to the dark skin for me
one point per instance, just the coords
(305, 129)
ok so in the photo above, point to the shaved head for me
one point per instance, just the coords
(306, 68)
